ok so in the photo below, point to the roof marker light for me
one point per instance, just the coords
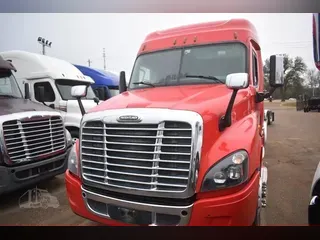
(235, 35)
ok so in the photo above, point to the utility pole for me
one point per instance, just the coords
(45, 43)
(104, 58)
(89, 62)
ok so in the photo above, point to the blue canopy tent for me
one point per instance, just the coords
(106, 84)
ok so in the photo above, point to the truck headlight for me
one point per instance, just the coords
(73, 159)
(231, 171)
(68, 137)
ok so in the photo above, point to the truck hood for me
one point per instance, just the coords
(15, 105)
(204, 99)
(73, 106)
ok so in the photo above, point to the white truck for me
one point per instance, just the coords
(50, 80)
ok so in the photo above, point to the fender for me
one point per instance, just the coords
(243, 134)
(72, 120)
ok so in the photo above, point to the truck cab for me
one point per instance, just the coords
(50, 80)
(34, 145)
(106, 84)
(182, 144)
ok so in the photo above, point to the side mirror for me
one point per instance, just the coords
(78, 92)
(26, 91)
(96, 100)
(276, 71)
(234, 81)
(41, 93)
(237, 81)
(122, 82)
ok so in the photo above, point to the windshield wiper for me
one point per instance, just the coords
(144, 83)
(205, 77)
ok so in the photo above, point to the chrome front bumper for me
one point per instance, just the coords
(135, 213)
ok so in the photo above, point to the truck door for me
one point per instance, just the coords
(257, 83)
(50, 98)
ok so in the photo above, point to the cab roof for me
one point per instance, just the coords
(40, 66)
(201, 33)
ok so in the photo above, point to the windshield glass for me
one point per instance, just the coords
(8, 85)
(190, 65)
(64, 87)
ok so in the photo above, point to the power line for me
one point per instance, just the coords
(104, 58)
(89, 62)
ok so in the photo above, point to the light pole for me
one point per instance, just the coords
(45, 43)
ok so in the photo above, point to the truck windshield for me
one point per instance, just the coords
(189, 65)
(64, 87)
(8, 85)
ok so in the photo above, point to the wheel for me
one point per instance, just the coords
(269, 118)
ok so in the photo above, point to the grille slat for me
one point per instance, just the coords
(27, 140)
(138, 156)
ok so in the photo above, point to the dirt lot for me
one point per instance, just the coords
(292, 154)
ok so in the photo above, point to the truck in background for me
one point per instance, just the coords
(106, 84)
(50, 80)
(183, 143)
(34, 144)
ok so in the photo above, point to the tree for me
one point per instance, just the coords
(294, 68)
(312, 79)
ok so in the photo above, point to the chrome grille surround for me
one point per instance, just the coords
(32, 135)
(98, 166)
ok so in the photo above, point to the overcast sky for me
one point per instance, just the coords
(79, 37)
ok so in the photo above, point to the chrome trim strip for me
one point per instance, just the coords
(162, 209)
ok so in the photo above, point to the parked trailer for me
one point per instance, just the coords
(311, 104)
(179, 138)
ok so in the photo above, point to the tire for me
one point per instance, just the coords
(269, 118)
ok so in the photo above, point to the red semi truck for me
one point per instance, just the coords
(182, 144)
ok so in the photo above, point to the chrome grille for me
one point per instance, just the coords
(32, 139)
(151, 157)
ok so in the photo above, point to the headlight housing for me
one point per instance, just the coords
(231, 171)
(73, 159)
(68, 137)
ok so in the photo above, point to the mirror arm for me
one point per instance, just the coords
(260, 96)
(225, 121)
(270, 92)
(83, 112)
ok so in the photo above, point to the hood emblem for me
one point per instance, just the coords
(129, 118)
